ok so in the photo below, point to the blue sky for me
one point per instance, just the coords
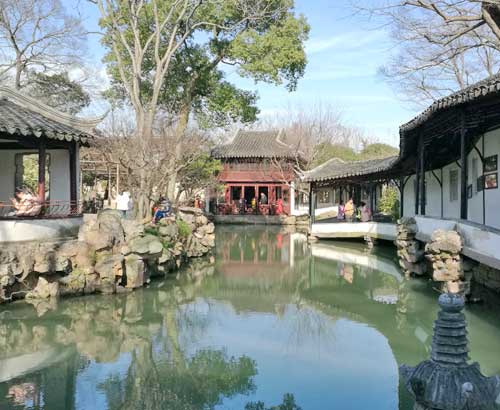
(344, 52)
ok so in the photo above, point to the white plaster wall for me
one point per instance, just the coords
(7, 174)
(492, 147)
(451, 209)
(433, 205)
(409, 197)
(59, 174)
(475, 204)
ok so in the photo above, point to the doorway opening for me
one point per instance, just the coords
(249, 194)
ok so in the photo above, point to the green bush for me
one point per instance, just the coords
(184, 228)
(151, 230)
(389, 202)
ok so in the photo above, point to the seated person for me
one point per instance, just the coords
(26, 203)
(164, 209)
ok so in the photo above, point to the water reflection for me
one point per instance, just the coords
(270, 317)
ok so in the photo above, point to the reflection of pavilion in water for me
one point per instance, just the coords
(258, 252)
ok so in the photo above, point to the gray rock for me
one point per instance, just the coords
(134, 271)
(72, 284)
(132, 229)
(109, 222)
(147, 246)
(446, 241)
(109, 266)
(169, 232)
(44, 289)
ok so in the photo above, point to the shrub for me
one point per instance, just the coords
(184, 228)
(389, 202)
(151, 230)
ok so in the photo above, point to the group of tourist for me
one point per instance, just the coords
(350, 212)
(258, 205)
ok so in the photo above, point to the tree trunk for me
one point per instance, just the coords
(491, 15)
(19, 70)
(145, 130)
(179, 133)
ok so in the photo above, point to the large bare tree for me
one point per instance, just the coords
(37, 35)
(441, 45)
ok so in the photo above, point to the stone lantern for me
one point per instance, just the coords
(447, 381)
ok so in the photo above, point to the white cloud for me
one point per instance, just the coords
(353, 40)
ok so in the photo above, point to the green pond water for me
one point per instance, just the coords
(269, 317)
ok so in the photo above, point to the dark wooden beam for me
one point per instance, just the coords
(402, 184)
(417, 182)
(73, 185)
(41, 169)
(463, 169)
(437, 179)
(422, 176)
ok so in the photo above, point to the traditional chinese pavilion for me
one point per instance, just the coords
(256, 163)
(39, 152)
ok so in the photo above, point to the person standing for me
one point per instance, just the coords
(122, 203)
(349, 210)
(263, 198)
(366, 213)
(341, 211)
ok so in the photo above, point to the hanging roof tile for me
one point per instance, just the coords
(335, 168)
(484, 88)
(23, 116)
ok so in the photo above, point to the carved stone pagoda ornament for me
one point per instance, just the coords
(447, 381)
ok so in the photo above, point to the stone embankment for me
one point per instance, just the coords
(442, 259)
(111, 255)
(410, 252)
(444, 253)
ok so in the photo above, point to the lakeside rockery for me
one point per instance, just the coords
(111, 255)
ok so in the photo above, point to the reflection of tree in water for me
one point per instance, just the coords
(199, 382)
(288, 404)
(163, 376)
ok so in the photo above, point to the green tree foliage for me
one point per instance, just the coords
(389, 202)
(264, 42)
(198, 174)
(184, 228)
(378, 150)
(57, 91)
(326, 151)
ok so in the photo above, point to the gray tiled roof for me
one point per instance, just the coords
(255, 144)
(337, 169)
(488, 86)
(23, 116)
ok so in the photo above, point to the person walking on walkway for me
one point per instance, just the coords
(349, 210)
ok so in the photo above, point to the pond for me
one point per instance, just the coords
(271, 320)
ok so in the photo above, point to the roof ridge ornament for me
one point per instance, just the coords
(86, 125)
